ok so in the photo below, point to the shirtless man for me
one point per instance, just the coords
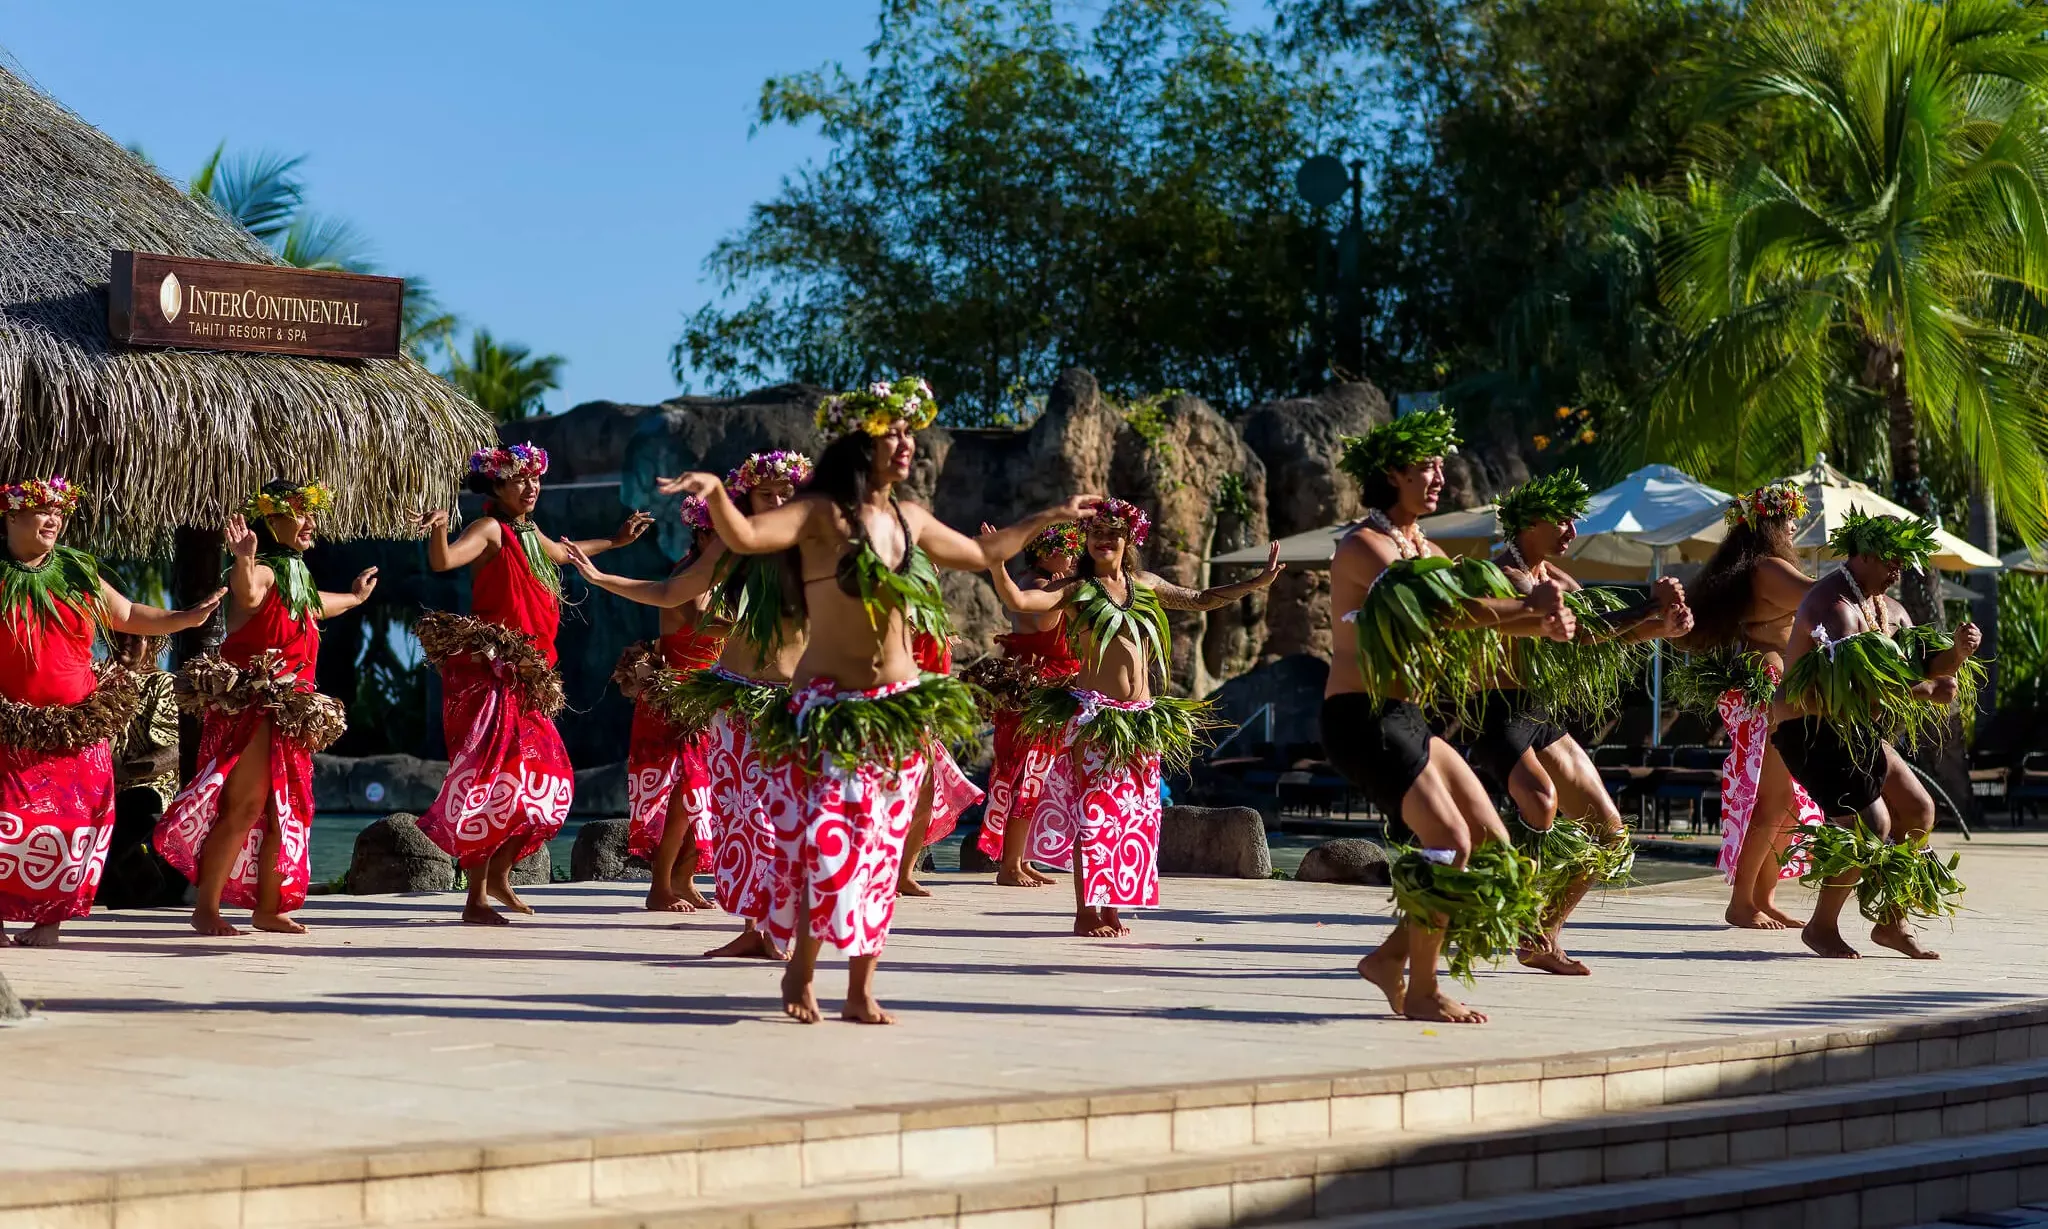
(1856, 773)
(1107, 803)
(840, 809)
(1539, 763)
(1382, 743)
(1744, 601)
(753, 669)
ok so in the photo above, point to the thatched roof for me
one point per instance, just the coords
(161, 438)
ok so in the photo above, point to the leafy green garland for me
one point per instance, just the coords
(68, 578)
(1567, 852)
(884, 731)
(538, 560)
(1898, 879)
(1697, 684)
(1923, 644)
(294, 583)
(757, 603)
(1095, 621)
(1172, 727)
(882, 589)
(1582, 680)
(1404, 647)
(689, 701)
(1861, 685)
(1485, 911)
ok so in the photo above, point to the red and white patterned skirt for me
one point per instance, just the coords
(56, 822)
(660, 761)
(1749, 736)
(509, 777)
(181, 834)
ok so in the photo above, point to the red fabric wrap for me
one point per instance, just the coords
(746, 863)
(952, 794)
(1016, 778)
(1113, 813)
(56, 807)
(273, 626)
(47, 659)
(509, 777)
(659, 761)
(505, 591)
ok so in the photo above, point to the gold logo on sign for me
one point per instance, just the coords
(171, 297)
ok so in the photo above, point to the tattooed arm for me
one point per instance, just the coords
(1179, 597)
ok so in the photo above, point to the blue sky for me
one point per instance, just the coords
(557, 171)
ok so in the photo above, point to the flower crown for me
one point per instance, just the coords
(695, 513)
(781, 465)
(1777, 501)
(512, 461)
(52, 492)
(1556, 498)
(1399, 444)
(1885, 537)
(283, 497)
(875, 408)
(1120, 514)
(1064, 538)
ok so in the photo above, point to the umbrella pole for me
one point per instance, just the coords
(1656, 661)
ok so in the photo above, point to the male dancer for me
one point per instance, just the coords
(1519, 746)
(58, 708)
(1035, 654)
(1743, 604)
(241, 831)
(1101, 804)
(509, 780)
(764, 600)
(1846, 642)
(849, 747)
(1373, 730)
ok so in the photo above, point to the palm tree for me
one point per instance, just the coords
(507, 380)
(1884, 262)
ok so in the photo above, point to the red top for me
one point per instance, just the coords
(1050, 645)
(47, 660)
(689, 649)
(273, 626)
(933, 655)
(504, 590)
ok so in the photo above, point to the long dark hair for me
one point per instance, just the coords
(1721, 592)
(843, 473)
(1377, 490)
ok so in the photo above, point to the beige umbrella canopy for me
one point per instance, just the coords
(1831, 496)
(168, 438)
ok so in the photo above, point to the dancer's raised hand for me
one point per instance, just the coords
(1077, 508)
(695, 483)
(1273, 566)
(366, 584)
(198, 612)
(630, 531)
(241, 539)
(431, 520)
(578, 560)
(1969, 638)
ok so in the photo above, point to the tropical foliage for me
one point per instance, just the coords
(506, 379)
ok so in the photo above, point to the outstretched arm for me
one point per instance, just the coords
(1027, 601)
(248, 580)
(1215, 597)
(680, 589)
(477, 537)
(774, 530)
(122, 615)
(949, 548)
(628, 533)
(332, 604)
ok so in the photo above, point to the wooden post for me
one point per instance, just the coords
(195, 573)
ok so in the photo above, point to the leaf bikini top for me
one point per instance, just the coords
(911, 587)
(1098, 619)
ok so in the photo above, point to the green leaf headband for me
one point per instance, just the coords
(1885, 537)
(1399, 444)
(1554, 498)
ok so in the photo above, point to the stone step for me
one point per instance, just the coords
(1344, 1178)
(1171, 1135)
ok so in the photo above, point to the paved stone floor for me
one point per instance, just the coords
(390, 1023)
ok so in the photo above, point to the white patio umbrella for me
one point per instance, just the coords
(1460, 533)
(1650, 498)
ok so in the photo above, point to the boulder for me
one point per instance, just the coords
(1226, 841)
(601, 791)
(536, 867)
(972, 860)
(600, 853)
(393, 855)
(10, 1004)
(1348, 860)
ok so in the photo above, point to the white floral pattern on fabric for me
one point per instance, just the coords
(1749, 733)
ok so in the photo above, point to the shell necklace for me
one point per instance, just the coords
(1407, 545)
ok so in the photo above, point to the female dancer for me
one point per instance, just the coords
(947, 792)
(1101, 807)
(1744, 602)
(509, 780)
(763, 599)
(58, 708)
(1035, 654)
(241, 830)
(849, 747)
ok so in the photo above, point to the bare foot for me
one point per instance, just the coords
(662, 901)
(210, 923)
(1110, 919)
(1783, 918)
(1019, 878)
(508, 898)
(1900, 939)
(907, 886)
(1827, 941)
(276, 923)
(750, 945)
(865, 1010)
(1088, 924)
(1750, 918)
(1548, 959)
(44, 935)
(1388, 973)
(1442, 1009)
(484, 915)
(799, 1003)
(687, 890)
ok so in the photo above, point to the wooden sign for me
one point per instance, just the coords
(199, 304)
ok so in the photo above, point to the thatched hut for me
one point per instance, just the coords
(163, 439)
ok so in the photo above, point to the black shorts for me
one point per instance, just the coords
(1842, 777)
(1508, 726)
(1381, 746)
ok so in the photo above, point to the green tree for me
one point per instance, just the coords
(1008, 194)
(1883, 259)
(506, 379)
